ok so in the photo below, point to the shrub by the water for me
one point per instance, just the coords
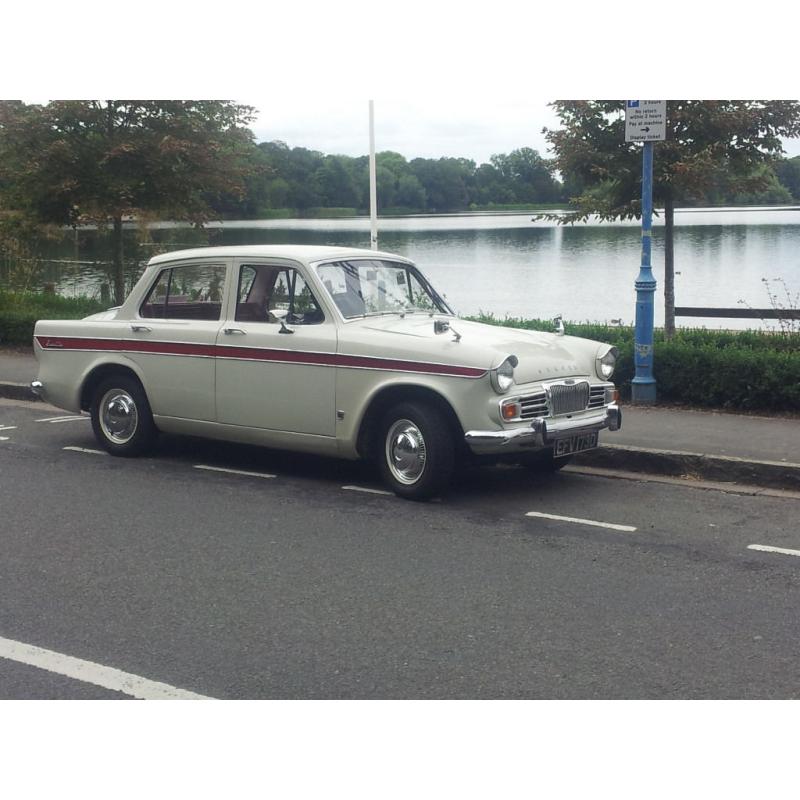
(20, 310)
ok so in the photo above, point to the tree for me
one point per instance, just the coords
(703, 137)
(71, 162)
(445, 181)
(788, 172)
(528, 175)
(337, 184)
(410, 193)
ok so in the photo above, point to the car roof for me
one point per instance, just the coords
(302, 253)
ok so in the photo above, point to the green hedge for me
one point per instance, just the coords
(20, 310)
(741, 371)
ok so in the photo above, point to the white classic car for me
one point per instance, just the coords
(328, 350)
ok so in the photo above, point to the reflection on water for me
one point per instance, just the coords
(506, 263)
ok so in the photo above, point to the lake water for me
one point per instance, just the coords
(509, 265)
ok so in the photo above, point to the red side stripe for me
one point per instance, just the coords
(254, 354)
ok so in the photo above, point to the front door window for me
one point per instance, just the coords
(271, 294)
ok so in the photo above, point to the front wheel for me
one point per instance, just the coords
(416, 454)
(121, 417)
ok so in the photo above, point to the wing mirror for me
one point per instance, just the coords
(443, 326)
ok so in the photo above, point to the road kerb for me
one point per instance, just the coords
(770, 474)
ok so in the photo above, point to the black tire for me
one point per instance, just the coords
(415, 450)
(121, 417)
(544, 461)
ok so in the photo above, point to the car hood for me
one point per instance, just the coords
(542, 356)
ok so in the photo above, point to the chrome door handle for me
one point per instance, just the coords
(238, 331)
(138, 328)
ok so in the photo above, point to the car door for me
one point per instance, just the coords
(276, 352)
(174, 337)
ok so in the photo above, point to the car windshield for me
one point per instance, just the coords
(365, 286)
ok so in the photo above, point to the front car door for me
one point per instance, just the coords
(276, 352)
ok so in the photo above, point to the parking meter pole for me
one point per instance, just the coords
(643, 386)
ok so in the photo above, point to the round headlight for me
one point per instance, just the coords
(606, 363)
(503, 376)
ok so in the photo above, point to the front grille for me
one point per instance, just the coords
(567, 398)
(564, 399)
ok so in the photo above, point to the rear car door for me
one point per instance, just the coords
(175, 335)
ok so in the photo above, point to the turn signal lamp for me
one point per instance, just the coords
(510, 410)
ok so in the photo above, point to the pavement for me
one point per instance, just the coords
(702, 445)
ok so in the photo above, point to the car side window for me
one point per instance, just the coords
(188, 292)
(271, 293)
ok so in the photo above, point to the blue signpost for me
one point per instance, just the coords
(643, 386)
(645, 121)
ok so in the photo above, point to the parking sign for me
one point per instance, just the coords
(645, 120)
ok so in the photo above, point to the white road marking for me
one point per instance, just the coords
(765, 548)
(87, 671)
(63, 418)
(365, 489)
(235, 471)
(3, 438)
(69, 419)
(8, 427)
(86, 450)
(595, 523)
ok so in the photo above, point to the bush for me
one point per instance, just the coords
(19, 312)
(733, 370)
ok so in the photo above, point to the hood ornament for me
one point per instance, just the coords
(559, 323)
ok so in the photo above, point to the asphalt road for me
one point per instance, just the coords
(237, 586)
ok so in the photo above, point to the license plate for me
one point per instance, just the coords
(575, 444)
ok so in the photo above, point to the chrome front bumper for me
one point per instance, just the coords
(542, 432)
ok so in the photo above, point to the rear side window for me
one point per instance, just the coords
(190, 292)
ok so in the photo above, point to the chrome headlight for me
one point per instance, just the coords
(606, 361)
(503, 376)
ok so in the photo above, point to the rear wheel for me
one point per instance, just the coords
(121, 417)
(416, 452)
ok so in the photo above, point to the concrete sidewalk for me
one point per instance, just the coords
(763, 451)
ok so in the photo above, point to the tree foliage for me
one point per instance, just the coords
(787, 171)
(300, 179)
(72, 162)
(707, 141)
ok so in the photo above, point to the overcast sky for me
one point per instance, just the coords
(426, 128)
(475, 128)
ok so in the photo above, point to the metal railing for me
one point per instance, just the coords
(738, 313)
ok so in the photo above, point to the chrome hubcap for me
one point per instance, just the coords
(118, 416)
(405, 451)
